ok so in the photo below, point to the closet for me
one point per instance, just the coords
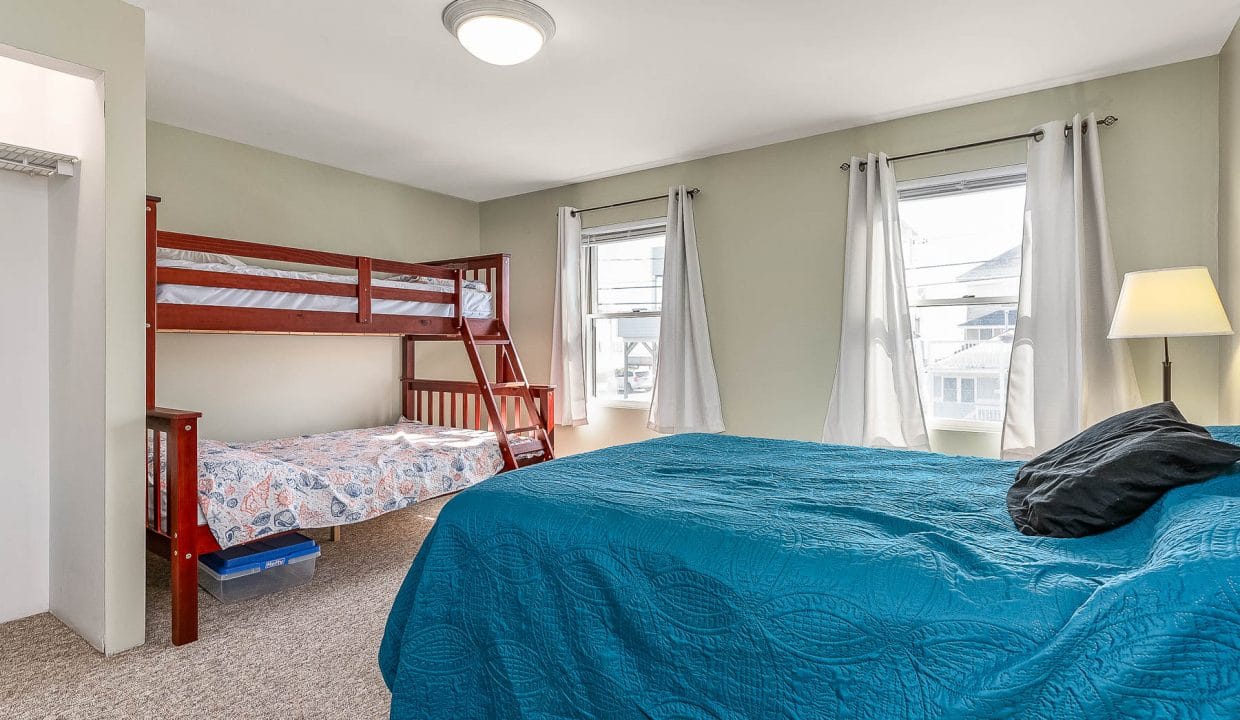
(51, 290)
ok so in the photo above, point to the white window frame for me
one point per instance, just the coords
(590, 239)
(953, 184)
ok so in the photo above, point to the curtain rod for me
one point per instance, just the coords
(575, 213)
(1107, 121)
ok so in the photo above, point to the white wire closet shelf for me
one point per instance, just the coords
(35, 162)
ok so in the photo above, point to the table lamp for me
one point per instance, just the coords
(1173, 302)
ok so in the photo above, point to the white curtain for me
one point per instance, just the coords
(686, 392)
(1065, 374)
(568, 357)
(875, 400)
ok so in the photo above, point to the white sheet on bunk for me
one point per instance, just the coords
(477, 303)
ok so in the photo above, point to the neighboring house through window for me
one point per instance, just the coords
(962, 246)
(624, 296)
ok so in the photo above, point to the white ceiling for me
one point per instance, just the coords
(379, 87)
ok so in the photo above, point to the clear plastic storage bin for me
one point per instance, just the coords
(260, 568)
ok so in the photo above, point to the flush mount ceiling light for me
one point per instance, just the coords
(501, 32)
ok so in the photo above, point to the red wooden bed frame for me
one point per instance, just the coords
(520, 414)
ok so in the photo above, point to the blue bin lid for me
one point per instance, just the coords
(259, 554)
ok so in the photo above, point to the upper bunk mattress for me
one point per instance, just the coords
(251, 489)
(703, 576)
(477, 303)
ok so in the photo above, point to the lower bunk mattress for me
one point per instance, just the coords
(251, 489)
(716, 577)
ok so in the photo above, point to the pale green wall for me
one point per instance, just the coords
(264, 386)
(1229, 223)
(770, 231)
(97, 494)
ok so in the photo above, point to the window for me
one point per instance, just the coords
(962, 243)
(967, 395)
(624, 297)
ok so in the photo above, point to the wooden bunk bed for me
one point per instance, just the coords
(520, 414)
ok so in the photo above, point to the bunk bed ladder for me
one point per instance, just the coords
(526, 450)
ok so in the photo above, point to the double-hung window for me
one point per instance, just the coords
(623, 300)
(962, 245)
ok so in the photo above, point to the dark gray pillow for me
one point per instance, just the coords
(1111, 472)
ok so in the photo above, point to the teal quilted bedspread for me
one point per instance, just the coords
(710, 577)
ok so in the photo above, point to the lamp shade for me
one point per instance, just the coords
(1173, 302)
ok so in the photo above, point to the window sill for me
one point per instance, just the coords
(965, 426)
(621, 404)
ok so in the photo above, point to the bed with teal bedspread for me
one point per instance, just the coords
(703, 576)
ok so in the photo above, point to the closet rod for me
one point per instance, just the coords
(575, 213)
(1107, 121)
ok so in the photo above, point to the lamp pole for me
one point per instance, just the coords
(1166, 372)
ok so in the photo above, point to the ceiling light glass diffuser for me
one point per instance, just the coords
(501, 32)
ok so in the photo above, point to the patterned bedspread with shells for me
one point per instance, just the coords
(728, 578)
(251, 489)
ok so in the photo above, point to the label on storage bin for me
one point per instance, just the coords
(274, 563)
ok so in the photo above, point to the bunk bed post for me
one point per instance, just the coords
(503, 373)
(501, 367)
(546, 408)
(182, 538)
(363, 290)
(152, 231)
(407, 377)
(458, 297)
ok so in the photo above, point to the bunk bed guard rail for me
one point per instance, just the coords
(490, 270)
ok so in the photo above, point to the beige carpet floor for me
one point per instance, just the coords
(310, 652)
